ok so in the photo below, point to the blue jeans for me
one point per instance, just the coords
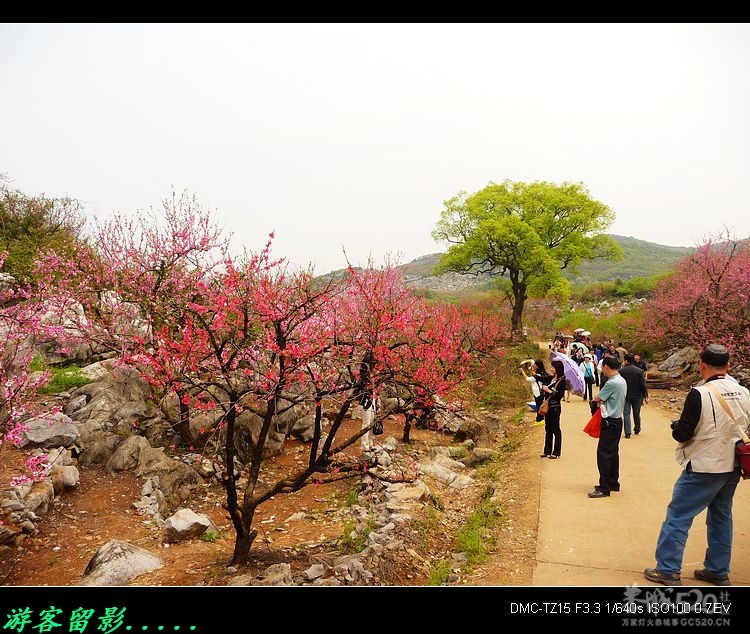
(692, 493)
(635, 404)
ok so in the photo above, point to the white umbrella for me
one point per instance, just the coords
(580, 330)
(586, 333)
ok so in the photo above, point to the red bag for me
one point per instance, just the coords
(594, 426)
(743, 457)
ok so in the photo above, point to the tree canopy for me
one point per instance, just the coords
(31, 225)
(526, 234)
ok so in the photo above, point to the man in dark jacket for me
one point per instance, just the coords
(636, 395)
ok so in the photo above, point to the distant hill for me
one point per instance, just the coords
(640, 259)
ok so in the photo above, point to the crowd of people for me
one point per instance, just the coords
(556, 388)
(715, 418)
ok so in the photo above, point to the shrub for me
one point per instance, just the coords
(439, 574)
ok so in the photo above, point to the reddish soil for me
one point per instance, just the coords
(100, 508)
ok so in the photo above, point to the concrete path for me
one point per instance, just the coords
(609, 541)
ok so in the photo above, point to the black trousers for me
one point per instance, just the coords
(608, 455)
(552, 433)
(588, 390)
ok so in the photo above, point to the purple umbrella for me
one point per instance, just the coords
(573, 373)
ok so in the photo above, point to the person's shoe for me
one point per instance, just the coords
(598, 493)
(712, 577)
(616, 488)
(553, 457)
(544, 455)
(666, 579)
(627, 435)
(637, 431)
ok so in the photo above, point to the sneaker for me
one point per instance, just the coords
(598, 493)
(666, 579)
(712, 577)
(544, 455)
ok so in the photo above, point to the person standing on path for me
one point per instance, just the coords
(641, 363)
(636, 395)
(621, 351)
(539, 377)
(555, 391)
(611, 399)
(707, 431)
(589, 376)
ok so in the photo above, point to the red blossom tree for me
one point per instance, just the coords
(246, 341)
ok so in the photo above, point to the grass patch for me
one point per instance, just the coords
(475, 537)
(352, 496)
(210, 536)
(62, 379)
(439, 573)
(352, 541)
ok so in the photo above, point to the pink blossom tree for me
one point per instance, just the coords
(705, 299)
(125, 289)
(20, 324)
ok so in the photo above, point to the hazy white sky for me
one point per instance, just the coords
(351, 136)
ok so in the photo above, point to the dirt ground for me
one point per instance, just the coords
(101, 508)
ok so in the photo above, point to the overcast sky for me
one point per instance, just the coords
(351, 136)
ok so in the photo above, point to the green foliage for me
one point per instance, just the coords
(439, 573)
(626, 327)
(352, 496)
(352, 541)
(62, 378)
(31, 225)
(210, 536)
(619, 289)
(528, 232)
(476, 536)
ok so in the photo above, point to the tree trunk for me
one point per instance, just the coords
(242, 547)
(516, 319)
(407, 427)
(183, 425)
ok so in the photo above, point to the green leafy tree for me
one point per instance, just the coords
(31, 225)
(526, 234)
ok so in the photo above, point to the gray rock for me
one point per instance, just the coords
(118, 562)
(51, 430)
(185, 524)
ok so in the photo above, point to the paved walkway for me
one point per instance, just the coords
(609, 541)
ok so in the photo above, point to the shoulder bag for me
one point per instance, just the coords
(742, 448)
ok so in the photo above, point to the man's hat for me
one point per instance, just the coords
(715, 354)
